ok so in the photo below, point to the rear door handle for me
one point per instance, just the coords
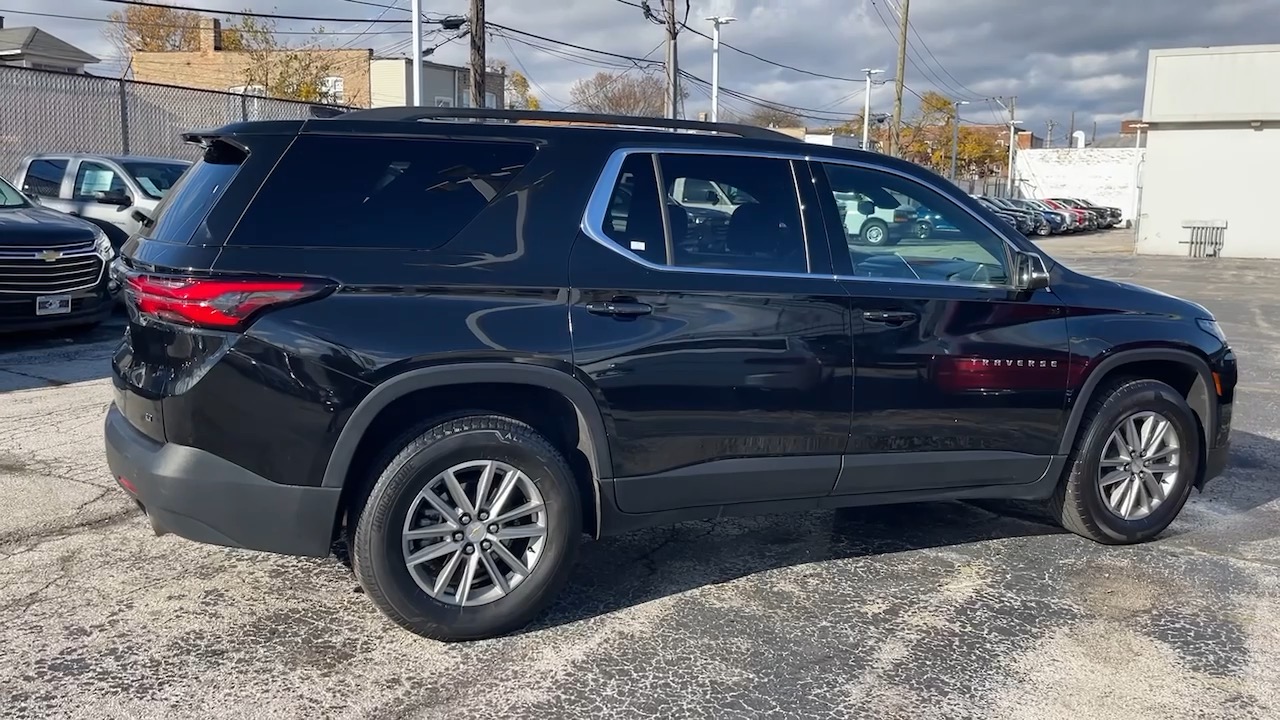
(620, 307)
(889, 317)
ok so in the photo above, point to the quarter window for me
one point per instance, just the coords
(897, 228)
(378, 192)
(758, 230)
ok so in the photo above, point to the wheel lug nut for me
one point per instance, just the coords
(465, 519)
(493, 528)
(457, 537)
(486, 545)
(469, 549)
(484, 515)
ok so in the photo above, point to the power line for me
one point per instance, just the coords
(182, 27)
(961, 89)
(246, 13)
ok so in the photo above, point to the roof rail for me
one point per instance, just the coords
(408, 114)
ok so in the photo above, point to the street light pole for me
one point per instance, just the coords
(416, 25)
(716, 22)
(1013, 140)
(955, 135)
(866, 106)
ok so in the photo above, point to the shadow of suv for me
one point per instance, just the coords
(475, 341)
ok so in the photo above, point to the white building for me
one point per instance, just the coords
(391, 84)
(1208, 182)
(31, 47)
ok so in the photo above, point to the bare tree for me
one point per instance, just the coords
(620, 94)
(770, 116)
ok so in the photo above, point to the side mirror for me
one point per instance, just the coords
(866, 207)
(33, 198)
(107, 197)
(1029, 272)
(712, 197)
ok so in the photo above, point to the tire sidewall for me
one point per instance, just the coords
(875, 225)
(382, 523)
(1126, 401)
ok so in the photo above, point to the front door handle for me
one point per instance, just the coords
(889, 317)
(620, 307)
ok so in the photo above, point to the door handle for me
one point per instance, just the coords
(889, 317)
(620, 307)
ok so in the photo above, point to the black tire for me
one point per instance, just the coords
(875, 232)
(378, 556)
(1077, 502)
(923, 229)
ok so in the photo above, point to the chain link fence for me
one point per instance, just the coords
(51, 112)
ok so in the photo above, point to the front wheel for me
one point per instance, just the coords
(470, 531)
(1133, 464)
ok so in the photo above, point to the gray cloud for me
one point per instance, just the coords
(1086, 56)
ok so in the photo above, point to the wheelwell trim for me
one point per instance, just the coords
(592, 437)
(1125, 357)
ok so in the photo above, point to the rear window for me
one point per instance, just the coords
(180, 217)
(365, 192)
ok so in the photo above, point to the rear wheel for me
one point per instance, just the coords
(470, 531)
(875, 232)
(1133, 465)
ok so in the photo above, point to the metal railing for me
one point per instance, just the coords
(48, 112)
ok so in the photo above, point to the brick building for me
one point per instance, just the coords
(210, 67)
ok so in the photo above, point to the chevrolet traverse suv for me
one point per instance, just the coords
(459, 346)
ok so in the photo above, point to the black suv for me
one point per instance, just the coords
(461, 345)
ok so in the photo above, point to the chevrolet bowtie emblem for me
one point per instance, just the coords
(50, 255)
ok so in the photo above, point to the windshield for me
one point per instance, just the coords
(155, 177)
(10, 197)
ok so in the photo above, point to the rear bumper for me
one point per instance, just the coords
(201, 497)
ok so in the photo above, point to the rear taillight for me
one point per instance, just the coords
(217, 303)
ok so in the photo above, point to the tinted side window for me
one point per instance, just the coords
(634, 221)
(44, 177)
(94, 178)
(762, 231)
(378, 192)
(898, 228)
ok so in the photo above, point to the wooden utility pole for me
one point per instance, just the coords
(895, 132)
(673, 63)
(478, 70)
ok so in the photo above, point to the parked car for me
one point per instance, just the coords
(1082, 220)
(932, 224)
(1112, 215)
(1020, 221)
(109, 191)
(53, 267)
(527, 376)
(1099, 218)
(1038, 225)
(1055, 222)
(880, 220)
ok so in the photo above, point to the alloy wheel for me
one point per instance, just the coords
(1140, 465)
(474, 532)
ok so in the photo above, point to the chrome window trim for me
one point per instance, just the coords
(597, 211)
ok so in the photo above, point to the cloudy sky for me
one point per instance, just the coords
(1082, 56)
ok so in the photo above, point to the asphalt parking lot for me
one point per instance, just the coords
(949, 610)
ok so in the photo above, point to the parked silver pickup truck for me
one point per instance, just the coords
(105, 190)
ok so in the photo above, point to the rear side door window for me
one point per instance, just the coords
(44, 177)
(761, 229)
(361, 192)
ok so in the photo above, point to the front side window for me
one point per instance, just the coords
(10, 197)
(897, 228)
(44, 177)
(94, 178)
(362, 192)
